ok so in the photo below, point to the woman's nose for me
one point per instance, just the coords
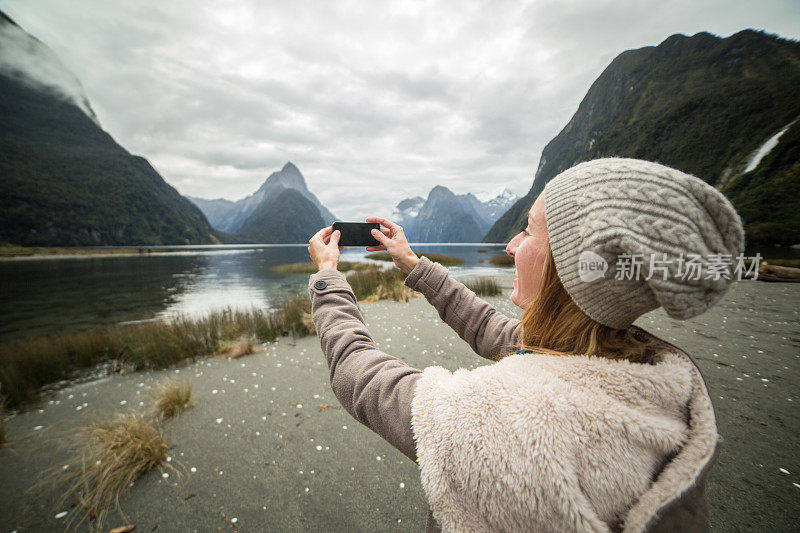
(511, 247)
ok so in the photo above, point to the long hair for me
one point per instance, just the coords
(553, 323)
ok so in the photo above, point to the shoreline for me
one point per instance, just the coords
(285, 456)
(779, 254)
(15, 252)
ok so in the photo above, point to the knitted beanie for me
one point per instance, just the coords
(629, 236)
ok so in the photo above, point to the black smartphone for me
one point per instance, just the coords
(357, 233)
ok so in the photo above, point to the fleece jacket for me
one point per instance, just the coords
(533, 442)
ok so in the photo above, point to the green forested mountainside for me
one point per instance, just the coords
(286, 218)
(701, 104)
(768, 197)
(66, 182)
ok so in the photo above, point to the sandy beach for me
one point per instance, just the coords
(267, 447)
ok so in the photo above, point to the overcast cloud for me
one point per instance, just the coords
(373, 101)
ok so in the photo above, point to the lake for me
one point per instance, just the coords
(45, 295)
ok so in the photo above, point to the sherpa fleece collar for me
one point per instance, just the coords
(561, 443)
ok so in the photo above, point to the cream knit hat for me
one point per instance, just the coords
(608, 215)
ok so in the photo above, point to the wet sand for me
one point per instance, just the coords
(273, 450)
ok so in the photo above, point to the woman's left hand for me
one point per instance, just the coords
(324, 248)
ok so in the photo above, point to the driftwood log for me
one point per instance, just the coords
(767, 272)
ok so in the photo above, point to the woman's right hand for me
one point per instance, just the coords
(394, 241)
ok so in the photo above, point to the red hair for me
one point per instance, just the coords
(553, 323)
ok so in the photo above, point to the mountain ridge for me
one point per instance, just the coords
(232, 216)
(447, 217)
(702, 104)
(66, 182)
(284, 218)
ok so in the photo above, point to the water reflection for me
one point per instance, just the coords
(239, 279)
(50, 295)
(78, 293)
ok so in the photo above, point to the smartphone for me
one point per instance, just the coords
(357, 233)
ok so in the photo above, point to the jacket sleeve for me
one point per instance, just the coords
(374, 387)
(490, 333)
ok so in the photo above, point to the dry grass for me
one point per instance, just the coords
(2, 421)
(236, 348)
(107, 456)
(171, 398)
(293, 312)
(374, 284)
(310, 268)
(502, 260)
(28, 364)
(295, 268)
(445, 260)
(379, 256)
(483, 286)
(308, 322)
(392, 291)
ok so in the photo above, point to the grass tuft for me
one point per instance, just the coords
(236, 348)
(293, 313)
(483, 286)
(375, 284)
(379, 256)
(309, 267)
(171, 398)
(444, 260)
(106, 457)
(502, 261)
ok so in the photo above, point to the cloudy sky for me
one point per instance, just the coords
(373, 101)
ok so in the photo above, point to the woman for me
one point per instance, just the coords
(592, 423)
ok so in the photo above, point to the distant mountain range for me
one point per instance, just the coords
(64, 181)
(447, 217)
(262, 218)
(702, 104)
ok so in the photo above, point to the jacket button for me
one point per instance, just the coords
(319, 285)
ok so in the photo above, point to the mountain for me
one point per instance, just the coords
(405, 214)
(231, 217)
(216, 211)
(497, 206)
(447, 217)
(701, 104)
(65, 182)
(286, 217)
(493, 208)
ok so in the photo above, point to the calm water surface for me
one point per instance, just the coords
(61, 294)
